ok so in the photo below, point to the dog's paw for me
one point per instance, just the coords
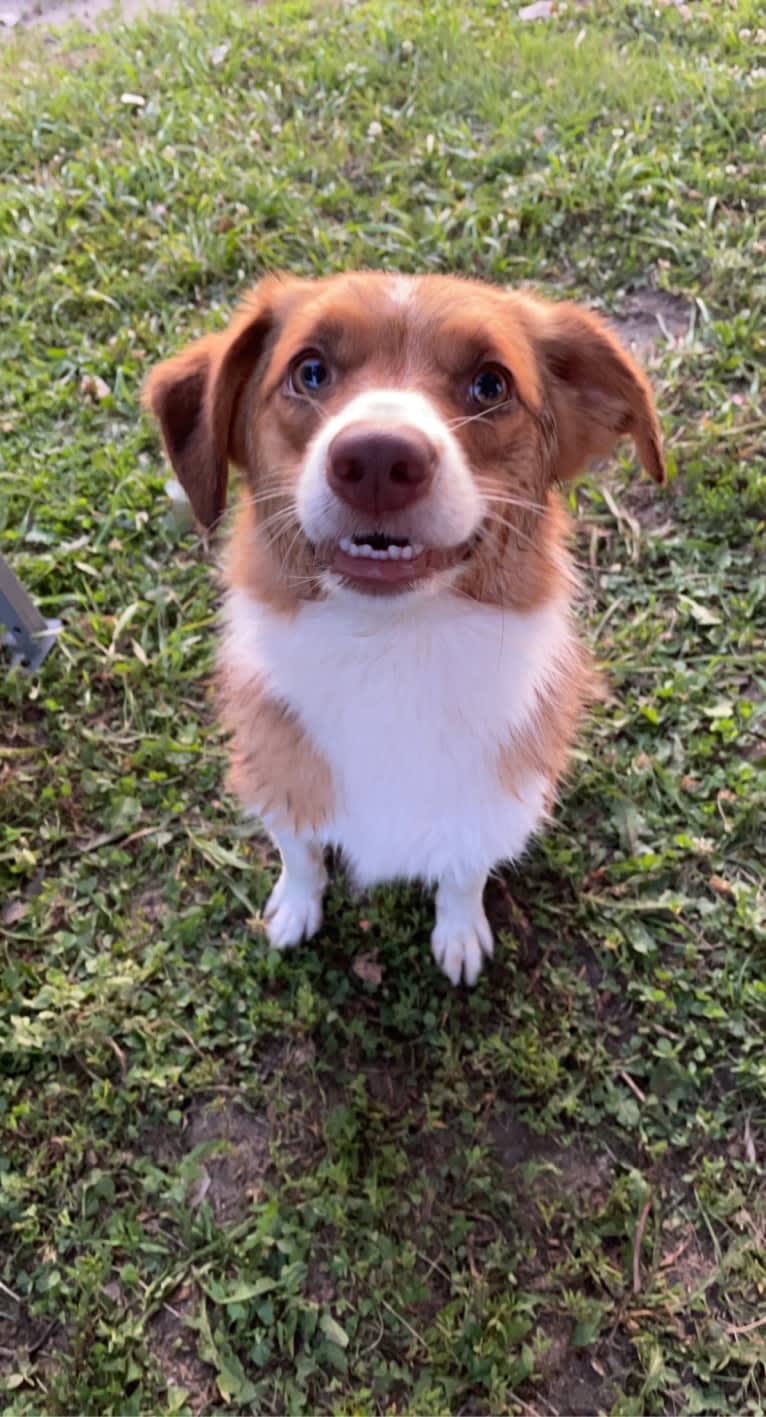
(293, 913)
(460, 947)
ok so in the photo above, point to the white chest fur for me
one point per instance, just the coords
(410, 702)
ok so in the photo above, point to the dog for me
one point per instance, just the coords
(400, 674)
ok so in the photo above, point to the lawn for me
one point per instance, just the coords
(328, 1182)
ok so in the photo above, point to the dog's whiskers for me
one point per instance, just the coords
(493, 519)
(509, 500)
(453, 423)
(316, 407)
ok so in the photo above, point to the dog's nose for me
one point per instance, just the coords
(378, 470)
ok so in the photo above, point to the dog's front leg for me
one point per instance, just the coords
(462, 938)
(294, 909)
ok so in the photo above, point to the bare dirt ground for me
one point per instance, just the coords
(651, 318)
(52, 13)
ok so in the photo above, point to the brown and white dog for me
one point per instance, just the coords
(401, 676)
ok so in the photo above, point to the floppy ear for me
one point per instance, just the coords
(597, 392)
(194, 397)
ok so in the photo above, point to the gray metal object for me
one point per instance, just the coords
(28, 634)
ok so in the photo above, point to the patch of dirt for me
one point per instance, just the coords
(577, 1381)
(429, 1153)
(174, 1347)
(506, 915)
(149, 907)
(319, 1285)
(240, 1156)
(688, 1267)
(650, 506)
(280, 1056)
(51, 14)
(239, 1131)
(650, 318)
(36, 1341)
(396, 1088)
(231, 1175)
(430, 1150)
(573, 1380)
(566, 1171)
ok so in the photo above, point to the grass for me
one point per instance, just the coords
(329, 1182)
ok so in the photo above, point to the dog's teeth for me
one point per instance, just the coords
(417, 549)
(393, 552)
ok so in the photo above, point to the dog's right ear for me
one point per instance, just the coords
(194, 397)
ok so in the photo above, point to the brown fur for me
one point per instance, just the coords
(253, 563)
(273, 767)
(520, 562)
(545, 744)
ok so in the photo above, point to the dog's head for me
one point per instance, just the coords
(397, 432)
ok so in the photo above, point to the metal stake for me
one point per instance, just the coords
(28, 634)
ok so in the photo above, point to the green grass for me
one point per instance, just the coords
(329, 1182)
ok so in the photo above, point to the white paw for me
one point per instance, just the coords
(461, 946)
(293, 912)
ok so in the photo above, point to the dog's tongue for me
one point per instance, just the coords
(382, 573)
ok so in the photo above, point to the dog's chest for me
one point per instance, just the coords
(409, 706)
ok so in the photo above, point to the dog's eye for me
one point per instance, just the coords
(490, 386)
(310, 374)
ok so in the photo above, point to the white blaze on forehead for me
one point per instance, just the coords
(399, 407)
(448, 515)
(402, 289)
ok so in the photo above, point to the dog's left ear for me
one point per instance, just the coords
(195, 396)
(597, 392)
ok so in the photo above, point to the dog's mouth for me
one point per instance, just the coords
(377, 546)
(378, 563)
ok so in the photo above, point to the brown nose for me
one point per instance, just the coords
(375, 470)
